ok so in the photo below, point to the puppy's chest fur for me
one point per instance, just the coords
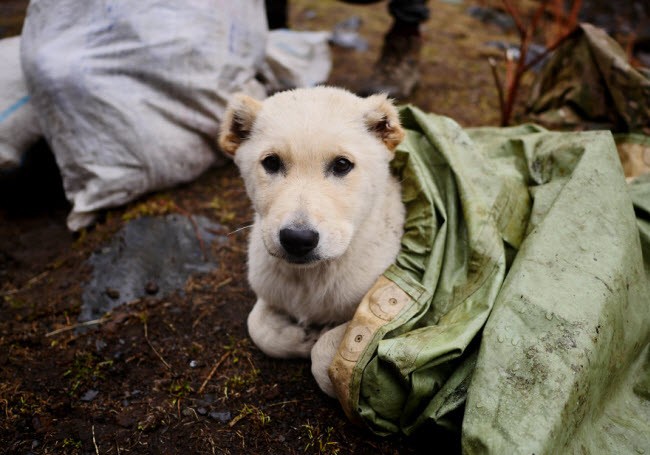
(311, 297)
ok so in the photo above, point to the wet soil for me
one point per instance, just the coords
(178, 374)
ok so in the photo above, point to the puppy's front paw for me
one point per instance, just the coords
(297, 340)
(276, 335)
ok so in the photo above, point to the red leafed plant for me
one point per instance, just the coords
(564, 23)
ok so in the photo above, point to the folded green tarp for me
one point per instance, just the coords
(517, 314)
(588, 82)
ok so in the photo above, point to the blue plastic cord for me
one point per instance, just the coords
(4, 115)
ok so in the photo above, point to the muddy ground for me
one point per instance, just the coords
(179, 374)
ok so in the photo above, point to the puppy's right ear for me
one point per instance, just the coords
(382, 119)
(238, 122)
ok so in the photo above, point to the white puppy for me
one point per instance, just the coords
(328, 212)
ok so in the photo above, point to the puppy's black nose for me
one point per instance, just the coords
(298, 242)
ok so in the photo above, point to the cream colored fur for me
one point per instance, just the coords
(358, 216)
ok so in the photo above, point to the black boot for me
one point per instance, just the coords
(397, 70)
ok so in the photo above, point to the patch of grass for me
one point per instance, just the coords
(85, 368)
(319, 441)
(240, 381)
(298, 374)
(223, 209)
(179, 390)
(24, 406)
(237, 348)
(72, 443)
(158, 205)
(249, 410)
(14, 303)
(16, 403)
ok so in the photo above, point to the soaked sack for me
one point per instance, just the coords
(588, 83)
(18, 123)
(129, 94)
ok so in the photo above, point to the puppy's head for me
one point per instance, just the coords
(315, 164)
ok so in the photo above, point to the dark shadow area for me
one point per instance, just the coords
(34, 188)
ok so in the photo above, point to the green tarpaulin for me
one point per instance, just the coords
(588, 82)
(517, 315)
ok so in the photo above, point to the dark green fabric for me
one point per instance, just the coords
(588, 82)
(542, 355)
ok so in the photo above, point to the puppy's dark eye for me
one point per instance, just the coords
(272, 164)
(341, 166)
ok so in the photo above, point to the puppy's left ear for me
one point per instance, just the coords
(238, 122)
(382, 119)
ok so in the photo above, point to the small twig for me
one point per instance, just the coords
(516, 70)
(199, 237)
(27, 285)
(571, 21)
(237, 418)
(75, 326)
(221, 284)
(281, 403)
(211, 290)
(512, 11)
(539, 14)
(497, 82)
(548, 50)
(197, 231)
(146, 337)
(212, 371)
(250, 361)
(95, 441)
(510, 71)
(513, 78)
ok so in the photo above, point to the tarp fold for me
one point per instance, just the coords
(517, 314)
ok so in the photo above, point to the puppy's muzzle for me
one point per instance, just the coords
(299, 243)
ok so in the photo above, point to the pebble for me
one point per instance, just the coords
(125, 420)
(112, 294)
(151, 288)
(222, 417)
(90, 395)
(207, 399)
(100, 345)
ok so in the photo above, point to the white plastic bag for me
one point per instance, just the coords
(296, 59)
(18, 125)
(129, 94)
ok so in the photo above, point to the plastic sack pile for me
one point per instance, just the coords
(18, 124)
(517, 314)
(129, 97)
